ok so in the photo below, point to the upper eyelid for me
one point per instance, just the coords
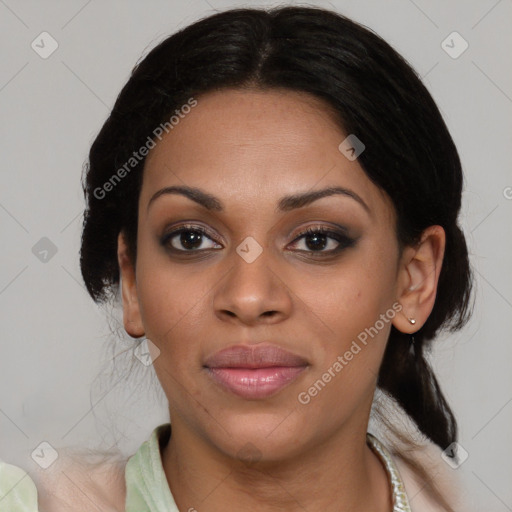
(185, 227)
(198, 227)
(171, 233)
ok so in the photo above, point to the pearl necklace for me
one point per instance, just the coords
(400, 501)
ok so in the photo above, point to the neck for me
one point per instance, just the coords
(340, 474)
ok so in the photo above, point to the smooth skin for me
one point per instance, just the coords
(250, 148)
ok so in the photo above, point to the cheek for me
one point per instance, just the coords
(172, 304)
(356, 314)
(351, 296)
(347, 328)
(173, 316)
(348, 314)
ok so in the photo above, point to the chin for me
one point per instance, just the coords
(259, 437)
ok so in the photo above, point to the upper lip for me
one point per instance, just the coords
(255, 356)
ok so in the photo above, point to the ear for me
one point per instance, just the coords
(418, 277)
(131, 313)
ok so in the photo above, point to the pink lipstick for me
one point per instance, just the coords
(254, 372)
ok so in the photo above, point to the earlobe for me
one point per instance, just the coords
(418, 279)
(131, 312)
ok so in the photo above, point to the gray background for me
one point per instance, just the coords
(63, 376)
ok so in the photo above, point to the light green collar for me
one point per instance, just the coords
(146, 484)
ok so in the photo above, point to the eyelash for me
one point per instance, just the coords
(343, 240)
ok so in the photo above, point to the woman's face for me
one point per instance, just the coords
(254, 279)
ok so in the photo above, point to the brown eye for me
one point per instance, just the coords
(323, 241)
(188, 239)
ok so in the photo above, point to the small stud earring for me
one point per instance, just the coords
(412, 320)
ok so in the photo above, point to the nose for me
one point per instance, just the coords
(252, 293)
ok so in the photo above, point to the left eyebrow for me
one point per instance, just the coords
(300, 200)
(285, 204)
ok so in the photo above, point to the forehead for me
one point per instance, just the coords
(254, 146)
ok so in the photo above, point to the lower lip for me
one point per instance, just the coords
(255, 383)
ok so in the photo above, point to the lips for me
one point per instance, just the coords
(254, 372)
(257, 356)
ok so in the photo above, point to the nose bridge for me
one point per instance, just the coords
(251, 288)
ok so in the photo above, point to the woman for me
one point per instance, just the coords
(274, 198)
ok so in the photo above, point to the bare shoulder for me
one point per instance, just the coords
(82, 481)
